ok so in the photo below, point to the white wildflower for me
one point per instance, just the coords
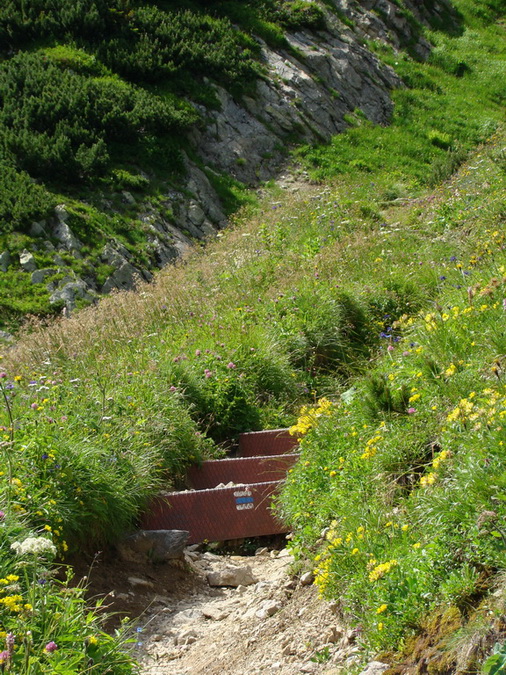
(34, 546)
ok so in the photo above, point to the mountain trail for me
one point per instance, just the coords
(265, 620)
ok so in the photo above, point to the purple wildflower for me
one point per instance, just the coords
(51, 647)
(10, 638)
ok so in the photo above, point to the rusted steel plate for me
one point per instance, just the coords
(268, 442)
(240, 470)
(218, 514)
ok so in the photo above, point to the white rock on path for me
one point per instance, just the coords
(232, 576)
(375, 668)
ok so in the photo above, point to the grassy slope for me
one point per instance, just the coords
(290, 305)
(126, 82)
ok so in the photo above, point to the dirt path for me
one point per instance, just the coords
(274, 624)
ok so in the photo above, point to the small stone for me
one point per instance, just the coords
(307, 579)
(137, 581)
(333, 635)
(268, 609)
(128, 198)
(188, 637)
(375, 668)
(27, 261)
(262, 551)
(284, 553)
(214, 614)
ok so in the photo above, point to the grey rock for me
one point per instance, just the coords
(27, 261)
(375, 668)
(124, 278)
(70, 292)
(128, 198)
(232, 576)
(155, 546)
(6, 337)
(39, 275)
(61, 213)
(38, 229)
(115, 254)
(65, 236)
(5, 261)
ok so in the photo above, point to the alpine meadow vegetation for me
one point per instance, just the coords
(367, 313)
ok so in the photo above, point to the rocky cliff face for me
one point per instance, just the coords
(304, 95)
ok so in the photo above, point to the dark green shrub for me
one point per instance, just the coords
(59, 124)
(21, 200)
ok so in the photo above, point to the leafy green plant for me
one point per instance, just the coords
(496, 662)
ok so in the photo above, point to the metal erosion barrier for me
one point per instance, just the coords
(241, 506)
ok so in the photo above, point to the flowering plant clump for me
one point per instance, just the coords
(308, 417)
(392, 501)
(37, 546)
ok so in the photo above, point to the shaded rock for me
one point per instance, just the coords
(153, 546)
(232, 576)
(70, 292)
(127, 197)
(39, 275)
(27, 261)
(38, 229)
(124, 278)
(307, 579)
(114, 254)
(63, 233)
(5, 261)
(375, 668)
(6, 337)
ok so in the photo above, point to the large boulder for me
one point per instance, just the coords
(155, 546)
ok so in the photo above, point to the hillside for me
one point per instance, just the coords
(363, 307)
(127, 137)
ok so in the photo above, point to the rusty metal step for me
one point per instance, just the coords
(243, 510)
(267, 442)
(240, 470)
(218, 514)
